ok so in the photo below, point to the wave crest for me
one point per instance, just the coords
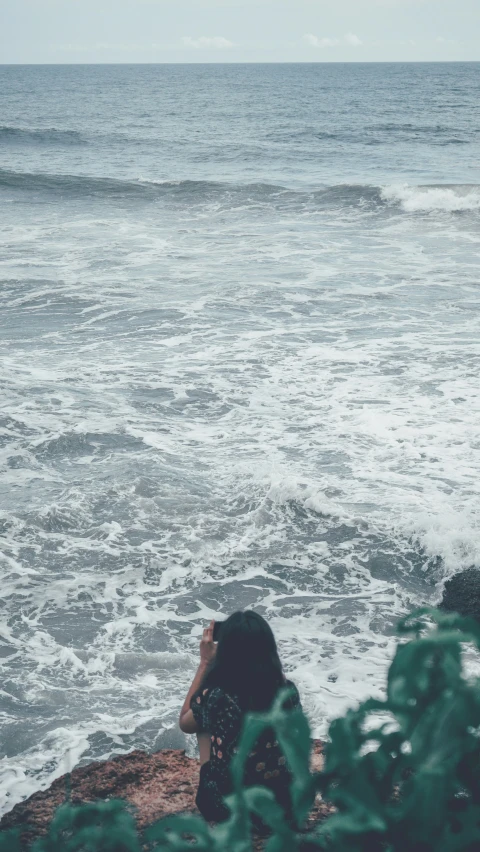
(367, 197)
(425, 199)
(42, 135)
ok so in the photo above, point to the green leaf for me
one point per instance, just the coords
(10, 841)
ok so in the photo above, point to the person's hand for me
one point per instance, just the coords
(208, 647)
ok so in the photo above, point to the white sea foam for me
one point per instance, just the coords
(425, 199)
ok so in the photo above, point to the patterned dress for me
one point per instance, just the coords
(219, 714)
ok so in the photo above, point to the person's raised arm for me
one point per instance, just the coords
(208, 648)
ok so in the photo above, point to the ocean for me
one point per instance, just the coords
(240, 356)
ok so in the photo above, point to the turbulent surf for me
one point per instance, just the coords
(240, 363)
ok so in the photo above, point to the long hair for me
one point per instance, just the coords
(247, 664)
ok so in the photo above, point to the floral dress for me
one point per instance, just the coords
(219, 714)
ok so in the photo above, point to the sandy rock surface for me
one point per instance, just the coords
(156, 785)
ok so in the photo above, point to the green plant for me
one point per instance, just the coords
(403, 773)
(105, 826)
(411, 782)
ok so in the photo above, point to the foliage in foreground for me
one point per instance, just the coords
(403, 774)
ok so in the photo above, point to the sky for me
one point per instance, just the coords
(85, 31)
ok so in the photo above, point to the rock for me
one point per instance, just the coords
(462, 594)
(155, 785)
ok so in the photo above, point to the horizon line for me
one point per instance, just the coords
(259, 62)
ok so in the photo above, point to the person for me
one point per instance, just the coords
(240, 673)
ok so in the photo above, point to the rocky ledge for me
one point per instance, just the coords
(462, 593)
(155, 785)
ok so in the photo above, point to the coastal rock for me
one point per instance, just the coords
(155, 785)
(462, 594)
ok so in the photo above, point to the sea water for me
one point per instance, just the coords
(240, 350)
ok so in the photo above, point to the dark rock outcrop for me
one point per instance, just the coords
(462, 594)
(155, 785)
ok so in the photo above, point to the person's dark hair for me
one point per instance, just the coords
(247, 664)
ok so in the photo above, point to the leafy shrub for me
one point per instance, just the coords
(413, 782)
(403, 773)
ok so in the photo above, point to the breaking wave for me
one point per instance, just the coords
(424, 199)
(411, 199)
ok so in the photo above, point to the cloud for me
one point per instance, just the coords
(314, 41)
(105, 45)
(353, 40)
(350, 38)
(207, 42)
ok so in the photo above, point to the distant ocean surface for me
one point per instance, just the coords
(240, 359)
